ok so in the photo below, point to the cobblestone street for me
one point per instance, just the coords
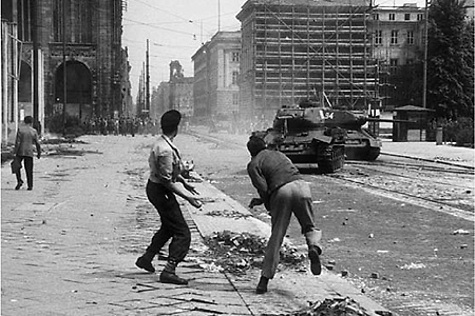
(69, 246)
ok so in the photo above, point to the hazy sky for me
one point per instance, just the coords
(176, 30)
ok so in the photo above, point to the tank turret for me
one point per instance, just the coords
(301, 134)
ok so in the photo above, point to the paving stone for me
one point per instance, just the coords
(69, 246)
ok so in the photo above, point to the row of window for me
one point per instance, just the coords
(378, 37)
(235, 57)
(407, 16)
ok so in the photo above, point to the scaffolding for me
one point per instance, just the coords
(295, 50)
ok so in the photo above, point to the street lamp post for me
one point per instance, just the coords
(147, 80)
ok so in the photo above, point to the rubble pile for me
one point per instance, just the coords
(238, 252)
(331, 307)
(228, 213)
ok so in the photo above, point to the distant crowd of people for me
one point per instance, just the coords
(127, 125)
(120, 126)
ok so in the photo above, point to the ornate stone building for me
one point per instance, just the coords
(83, 36)
(175, 94)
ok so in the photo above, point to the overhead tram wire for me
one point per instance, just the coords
(164, 45)
(164, 11)
(158, 27)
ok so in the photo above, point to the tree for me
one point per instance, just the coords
(450, 60)
(409, 84)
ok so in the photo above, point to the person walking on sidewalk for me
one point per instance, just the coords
(164, 183)
(283, 192)
(26, 137)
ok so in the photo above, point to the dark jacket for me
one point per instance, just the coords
(269, 170)
(26, 137)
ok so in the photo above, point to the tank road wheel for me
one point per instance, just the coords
(334, 159)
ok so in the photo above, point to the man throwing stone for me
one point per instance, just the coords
(283, 192)
(164, 183)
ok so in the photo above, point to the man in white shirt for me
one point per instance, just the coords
(164, 183)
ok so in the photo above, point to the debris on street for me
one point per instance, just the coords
(239, 252)
(330, 307)
(461, 232)
(228, 213)
(413, 265)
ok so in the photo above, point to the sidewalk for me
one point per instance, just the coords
(445, 153)
(69, 246)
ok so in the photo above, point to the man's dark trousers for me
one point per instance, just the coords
(28, 163)
(173, 226)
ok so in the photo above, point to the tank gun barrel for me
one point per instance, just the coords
(372, 119)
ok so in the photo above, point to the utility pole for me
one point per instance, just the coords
(147, 79)
(426, 40)
(219, 15)
(35, 39)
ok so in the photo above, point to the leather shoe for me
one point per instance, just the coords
(145, 264)
(315, 264)
(262, 286)
(168, 277)
(18, 186)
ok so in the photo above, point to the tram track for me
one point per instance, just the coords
(432, 204)
(407, 185)
(444, 189)
(440, 187)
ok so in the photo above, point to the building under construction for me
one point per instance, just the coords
(305, 49)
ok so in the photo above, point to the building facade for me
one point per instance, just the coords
(128, 108)
(398, 34)
(70, 57)
(216, 76)
(398, 40)
(296, 50)
(176, 94)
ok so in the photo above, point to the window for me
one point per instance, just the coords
(407, 17)
(235, 57)
(235, 99)
(235, 77)
(394, 35)
(392, 17)
(393, 63)
(410, 37)
(378, 37)
(420, 17)
(376, 16)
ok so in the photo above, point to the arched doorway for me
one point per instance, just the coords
(78, 89)
(25, 95)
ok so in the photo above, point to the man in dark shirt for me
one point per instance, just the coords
(26, 137)
(283, 192)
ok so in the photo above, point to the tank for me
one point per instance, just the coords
(360, 144)
(301, 134)
(311, 134)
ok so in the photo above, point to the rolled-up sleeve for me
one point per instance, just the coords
(165, 166)
(161, 164)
